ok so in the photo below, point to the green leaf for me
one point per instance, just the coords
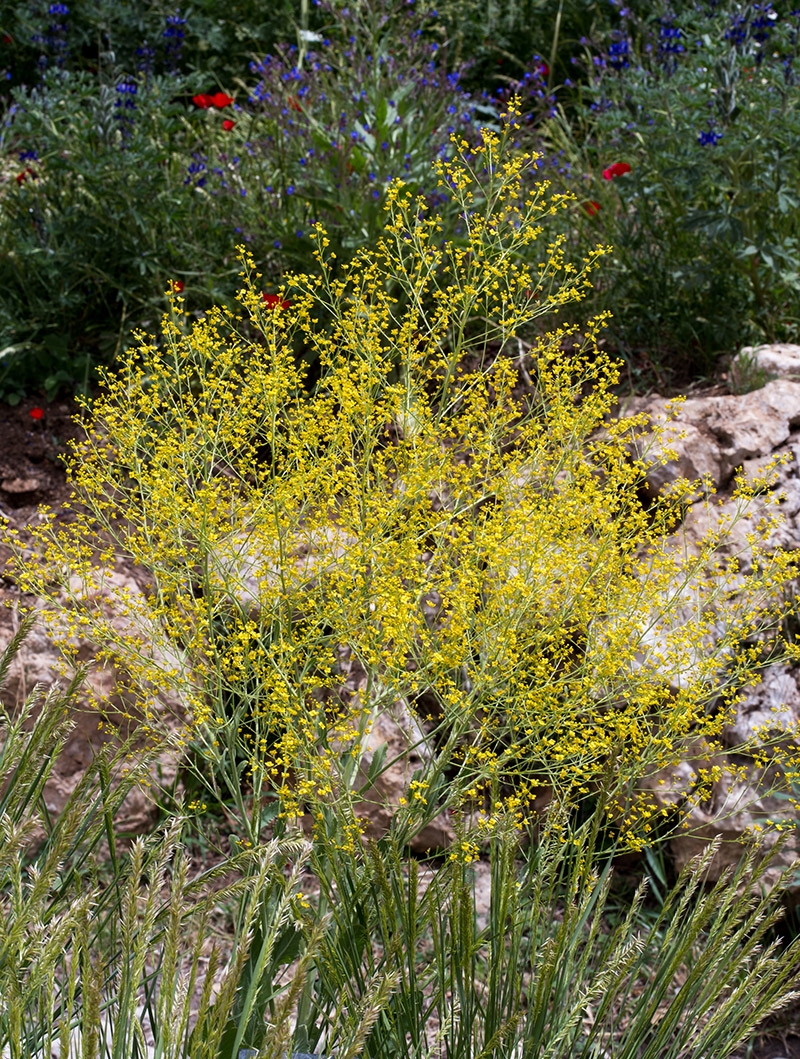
(358, 160)
(376, 765)
(381, 111)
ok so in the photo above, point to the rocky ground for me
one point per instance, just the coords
(717, 432)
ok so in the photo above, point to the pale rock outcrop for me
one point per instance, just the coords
(100, 709)
(738, 813)
(769, 709)
(250, 570)
(720, 438)
(712, 437)
(780, 360)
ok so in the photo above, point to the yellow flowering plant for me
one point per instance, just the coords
(437, 526)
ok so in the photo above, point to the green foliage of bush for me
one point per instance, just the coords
(122, 183)
(93, 231)
(331, 101)
(206, 37)
(703, 104)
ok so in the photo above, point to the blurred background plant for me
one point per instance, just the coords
(681, 138)
(205, 37)
(116, 181)
(98, 213)
(330, 126)
(125, 173)
(93, 231)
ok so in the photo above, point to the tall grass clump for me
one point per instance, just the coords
(110, 951)
(445, 531)
(93, 960)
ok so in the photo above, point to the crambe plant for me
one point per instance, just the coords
(414, 532)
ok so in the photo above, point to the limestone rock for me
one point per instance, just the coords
(769, 709)
(734, 809)
(737, 810)
(780, 359)
(20, 485)
(99, 708)
(405, 753)
(248, 569)
(671, 786)
(713, 436)
(696, 453)
(720, 437)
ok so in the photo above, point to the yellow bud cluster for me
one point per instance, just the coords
(424, 524)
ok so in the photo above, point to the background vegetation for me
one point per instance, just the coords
(373, 439)
(119, 177)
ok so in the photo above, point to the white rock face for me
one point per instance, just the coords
(769, 709)
(720, 437)
(712, 437)
(249, 570)
(781, 360)
(735, 809)
(40, 661)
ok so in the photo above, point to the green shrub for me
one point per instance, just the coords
(703, 105)
(94, 226)
(370, 99)
(120, 180)
(209, 38)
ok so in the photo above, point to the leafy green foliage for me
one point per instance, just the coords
(703, 105)
(208, 38)
(93, 233)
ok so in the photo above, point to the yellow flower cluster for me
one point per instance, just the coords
(417, 515)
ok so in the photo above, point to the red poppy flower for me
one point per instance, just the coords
(294, 104)
(23, 176)
(228, 124)
(591, 207)
(542, 69)
(617, 169)
(36, 413)
(177, 285)
(274, 301)
(218, 100)
(7, 39)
